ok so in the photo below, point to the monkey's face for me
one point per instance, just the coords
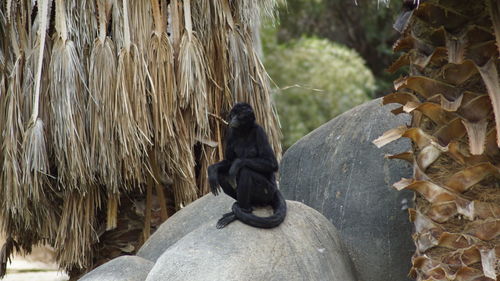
(241, 116)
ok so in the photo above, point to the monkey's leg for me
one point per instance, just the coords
(226, 186)
(246, 184)
(225, 220)
(257, 189)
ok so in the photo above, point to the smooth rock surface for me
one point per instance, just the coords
(207, 208)
(124, 268)
(339, 172)
(305, 246)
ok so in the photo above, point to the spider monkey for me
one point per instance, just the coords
(247, 172)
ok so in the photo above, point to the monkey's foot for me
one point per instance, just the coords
(225, 220)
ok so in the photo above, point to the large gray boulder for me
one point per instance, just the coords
(305, 246)
(199, 212)
(124, 268)
(339, 172)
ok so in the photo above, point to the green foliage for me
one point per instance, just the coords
(364, 25)
(317, 81)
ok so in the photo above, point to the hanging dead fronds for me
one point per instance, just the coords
(117, 22)
(76, 231)
(160, 58)
(183, 162)
(192, 80)
(180, 153)
(102, 83)
(146, 105)
(11, 130)
(34, 159)
(130, 112)
(67, 95)
(250, 13)
(142, 21)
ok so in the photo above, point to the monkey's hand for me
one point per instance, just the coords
(213, 179)
(236, 167)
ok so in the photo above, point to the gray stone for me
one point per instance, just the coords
(183, 222)
(339, 172)
(305, 246)
(124, 268)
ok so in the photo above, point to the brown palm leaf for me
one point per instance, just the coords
(160, 57)
(76, 231)
(67, 94)
(130, 112)
(192, 80)
(34, 153)
(102, 81)
(12, 129)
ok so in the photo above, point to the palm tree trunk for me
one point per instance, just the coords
(453, 95)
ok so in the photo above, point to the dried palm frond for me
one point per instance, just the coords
(203, 18)
(158, 175)
(67, 94)
(102, 81)
(81, 25)
(183, 162)
(192, 80)
(10, 177)
(214, 24)
(250, 13)
(241, 84)
(117, 22)
(76, 231)
(146, 116)
(132, 127)
(22, 210)
(180, 158)
(11, 130)
(207, 157)
(221, 97)
(4, 54)
(34, 159)
(160, 57)
(140, 18)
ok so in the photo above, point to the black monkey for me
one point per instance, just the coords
(247, 172)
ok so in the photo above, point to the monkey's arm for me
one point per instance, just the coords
(213, 174)
(265, 162)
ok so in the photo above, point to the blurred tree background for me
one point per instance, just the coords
(327, 56)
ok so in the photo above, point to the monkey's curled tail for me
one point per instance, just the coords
(279, 207)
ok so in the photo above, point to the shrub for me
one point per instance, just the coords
(316, 80)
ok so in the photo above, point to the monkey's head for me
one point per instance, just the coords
(241, 116)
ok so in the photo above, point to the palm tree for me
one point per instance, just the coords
(453, 94)
(110, 115)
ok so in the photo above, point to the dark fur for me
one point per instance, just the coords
(247, 172)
